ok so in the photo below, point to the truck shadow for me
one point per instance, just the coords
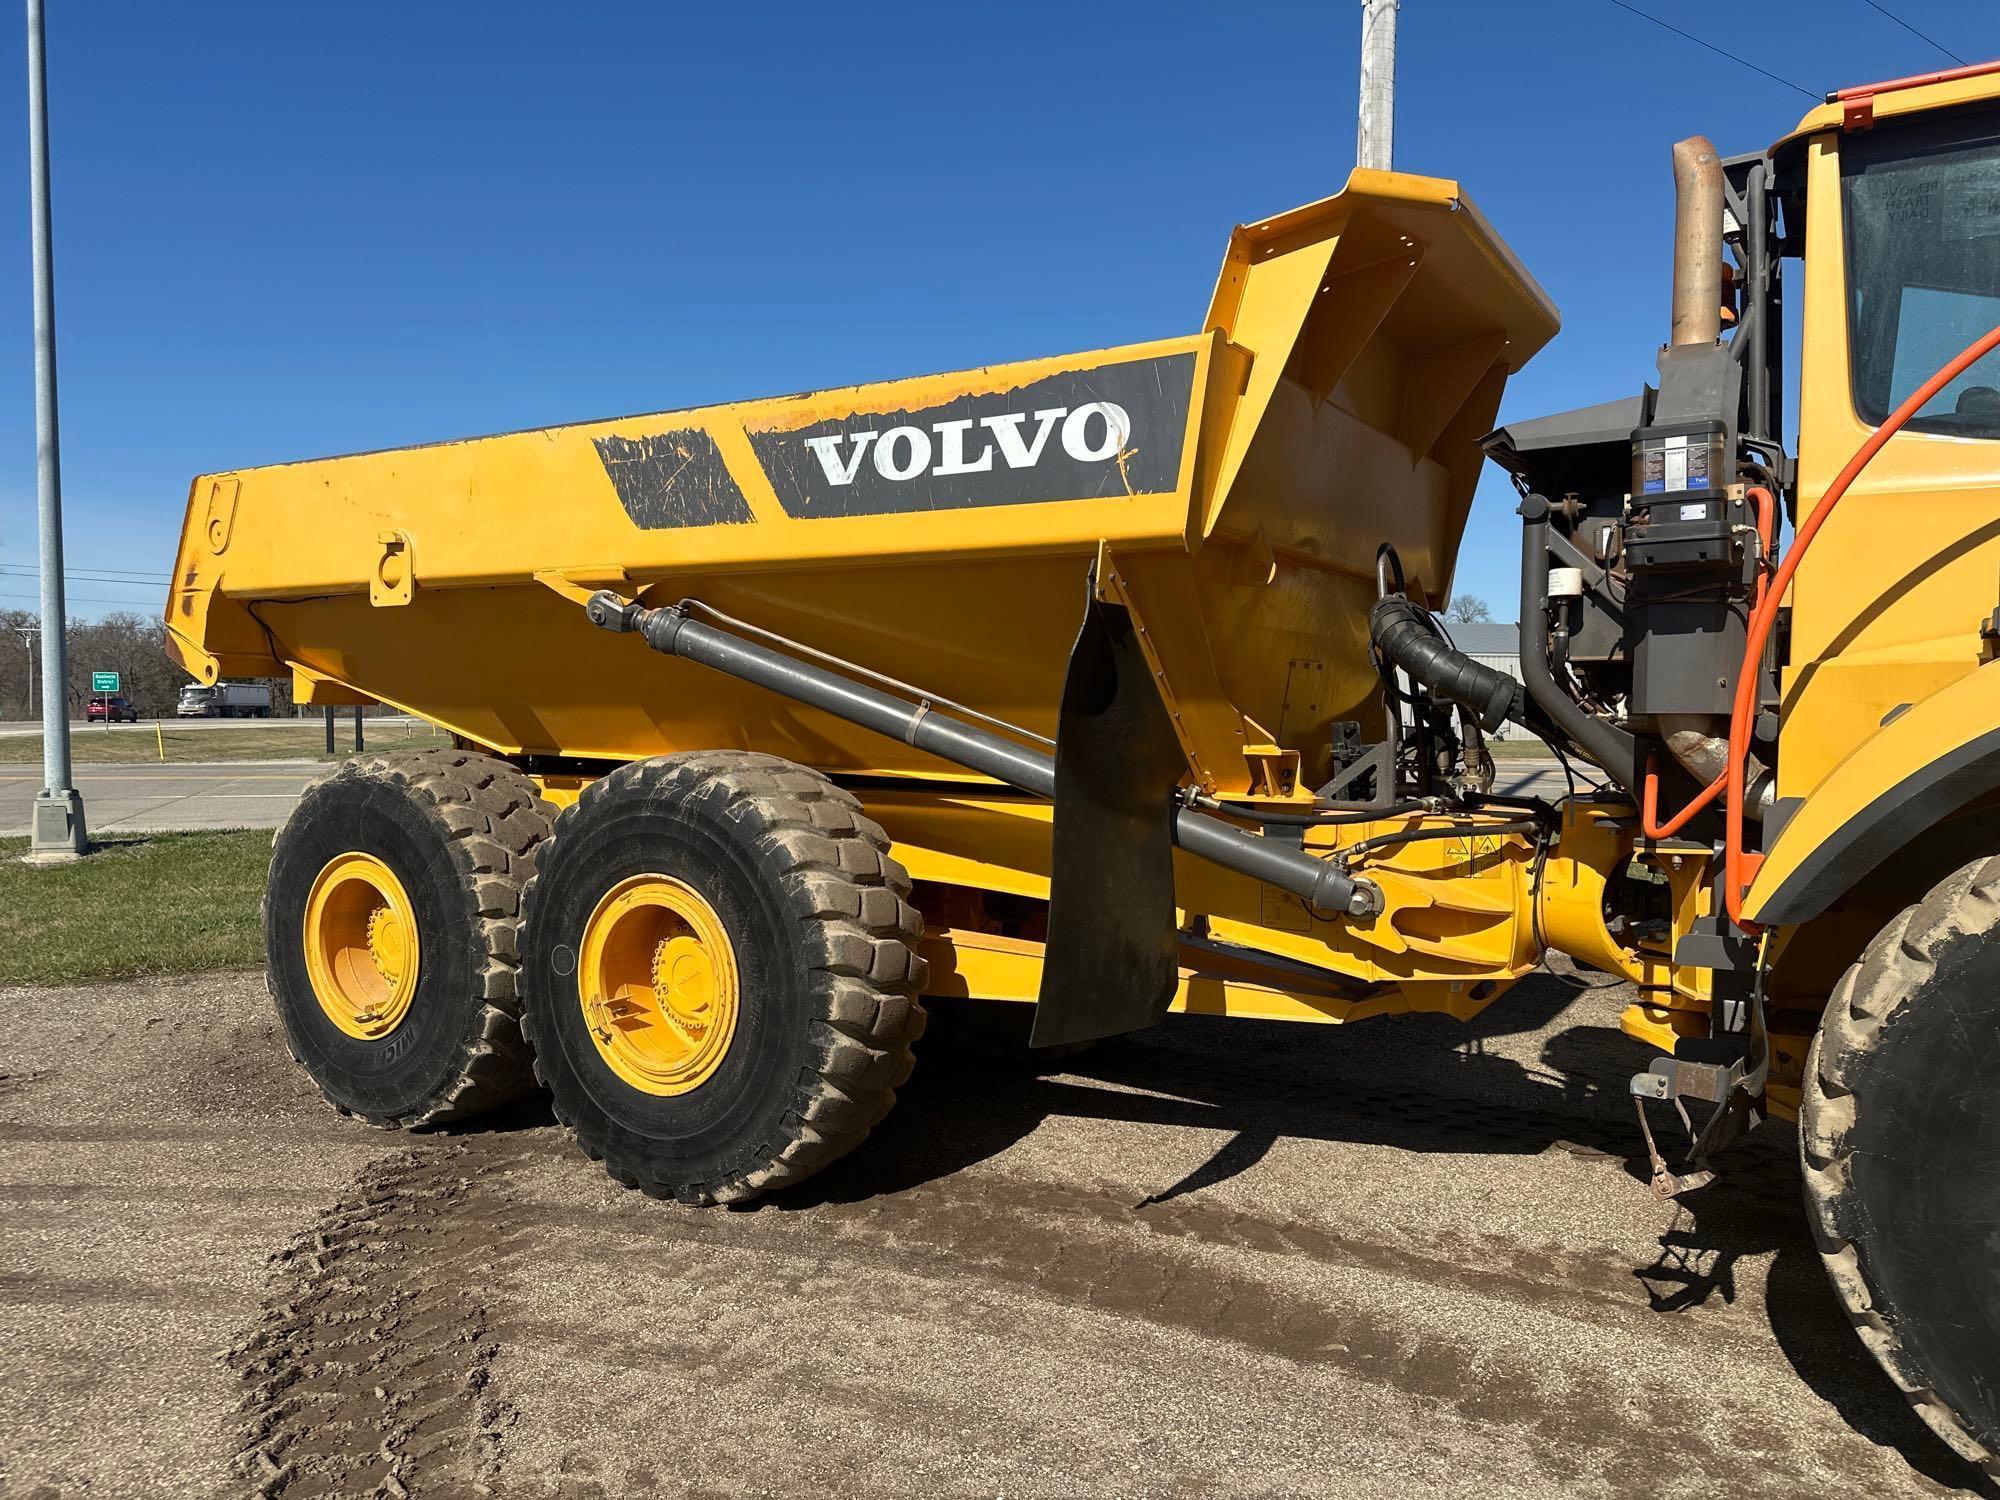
(1423, 1084)
(1757, 1211)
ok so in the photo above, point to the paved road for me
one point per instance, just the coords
(1529, 778)
(145, 726)
(1221, 1258)
(154, 799)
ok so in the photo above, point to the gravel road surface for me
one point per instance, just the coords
(1400, 1258)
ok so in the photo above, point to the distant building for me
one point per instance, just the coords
(1494, 645)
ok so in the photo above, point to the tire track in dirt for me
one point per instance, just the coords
(370, 1370)
(1194, 1267)
(1188, 1271)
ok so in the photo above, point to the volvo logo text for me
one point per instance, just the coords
(1093, 432)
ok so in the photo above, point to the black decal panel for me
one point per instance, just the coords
(673, 479)
(1006, 447)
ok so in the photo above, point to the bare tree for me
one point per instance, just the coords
(132, 645)
(18, 639)
(1467, 609)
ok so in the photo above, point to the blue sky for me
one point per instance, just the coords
(289, 230)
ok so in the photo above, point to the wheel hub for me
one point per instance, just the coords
(658, 982)
(388, 941)
(361, 947)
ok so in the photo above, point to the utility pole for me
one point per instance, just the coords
(1375, 141)
(29, 635)
(58, 819)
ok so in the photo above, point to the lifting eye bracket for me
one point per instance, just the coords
(393, 579)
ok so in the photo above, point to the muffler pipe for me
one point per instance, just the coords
(1697, 242)
(1691, 740)
(673, 632)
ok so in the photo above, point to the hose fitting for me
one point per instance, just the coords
(660, 627)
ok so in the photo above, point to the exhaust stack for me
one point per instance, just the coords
(1697, 242)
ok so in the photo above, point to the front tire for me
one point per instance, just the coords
(1899, 1132)
(391, 933)
(720, 980)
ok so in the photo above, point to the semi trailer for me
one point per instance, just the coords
(224, 700)
(1110, 683)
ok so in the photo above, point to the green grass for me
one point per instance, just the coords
(122, 746)
(164, 903)
(1519, 750)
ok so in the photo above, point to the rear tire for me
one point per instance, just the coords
(794, 897)
(1899, 1133)
(449, 838)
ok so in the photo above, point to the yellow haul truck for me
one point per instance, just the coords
(1110, 683)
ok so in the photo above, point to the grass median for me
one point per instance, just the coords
(170, 903)
(143, 745)
(163, 903)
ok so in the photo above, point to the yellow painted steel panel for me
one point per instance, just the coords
(1964, 711)
(1233, 483)
(1887, 607)
(940, 529)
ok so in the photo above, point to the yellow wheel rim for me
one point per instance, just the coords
(361, 946)
(658, 983)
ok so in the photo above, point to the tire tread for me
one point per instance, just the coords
(1895, 965)
(849, 899)
(493, 823)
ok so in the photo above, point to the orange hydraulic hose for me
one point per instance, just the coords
(1767, 520)
(1740, 867)
(1649, 803)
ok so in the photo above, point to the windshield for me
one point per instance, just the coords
(1922, 205)
(192, 694)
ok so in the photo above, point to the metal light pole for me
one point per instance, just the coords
(58, 820)
(1374, 142)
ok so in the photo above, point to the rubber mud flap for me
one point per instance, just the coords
(1111, 963)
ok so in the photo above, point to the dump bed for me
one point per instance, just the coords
(1231, 485)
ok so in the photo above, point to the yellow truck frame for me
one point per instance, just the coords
(713, 832)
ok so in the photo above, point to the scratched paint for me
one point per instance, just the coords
(673, 479)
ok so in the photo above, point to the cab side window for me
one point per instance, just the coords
(1921, 203)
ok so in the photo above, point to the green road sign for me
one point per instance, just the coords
(104, 682)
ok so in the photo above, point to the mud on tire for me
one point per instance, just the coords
(1899, 1133)
(823, 933)
(460, 831)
